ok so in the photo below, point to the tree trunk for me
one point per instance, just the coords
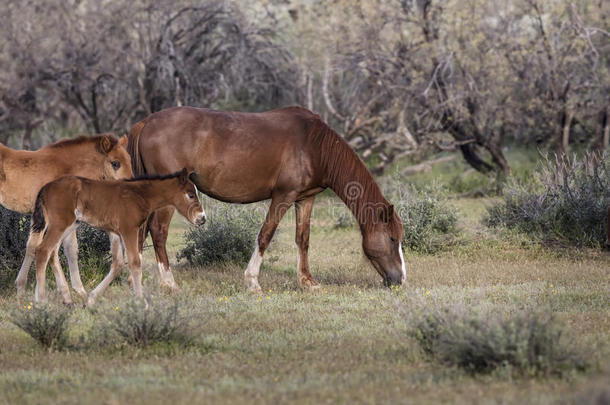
(565, 139)
(605, 129)
(26, 142)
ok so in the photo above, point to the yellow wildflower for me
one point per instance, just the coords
(116, 308)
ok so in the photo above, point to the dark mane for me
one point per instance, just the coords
(82, 139)
(346, 174)
(155, 176)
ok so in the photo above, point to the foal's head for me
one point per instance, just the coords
(382, 245)
(116, 162)
(185, 199)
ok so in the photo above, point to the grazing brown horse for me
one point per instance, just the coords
(119, 207)
(288, 155)
(23, 173)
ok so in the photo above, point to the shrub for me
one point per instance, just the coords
(429, 222)
(228, 236)
(14, 230)
(45, 323)
(526, 342)
(566, 201)
(140, 325)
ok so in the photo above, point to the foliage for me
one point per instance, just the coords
(228, 236)
(429, 223)
(140, 324)
(567, 201)
(14, 230)
(94, 255)
(526, 342)
(45, 323)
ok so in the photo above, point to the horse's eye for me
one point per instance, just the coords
(115, 164)
(191, 195)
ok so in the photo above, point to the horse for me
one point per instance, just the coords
(23, 173)
(288, 155)
(119, 207)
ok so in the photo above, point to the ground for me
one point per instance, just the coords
(347, 343)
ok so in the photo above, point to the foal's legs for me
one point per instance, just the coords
(34, 240)
(279, 206)
(135, 264)
(303, 215)
(158, 227)
(115, 268)
(70, 245)
(60, 279)
(49, 244)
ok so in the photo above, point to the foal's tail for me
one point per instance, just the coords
(133, 148)
(38, 221)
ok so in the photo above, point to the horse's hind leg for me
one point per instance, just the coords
(303, 215)
(115, 268)
(279, 206)
(60, 279)
(135, 264)
(70, 245)
(50, 242)
(158, 227)
(34, 240)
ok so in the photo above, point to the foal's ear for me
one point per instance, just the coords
(105, 144)
(184, 176)
(123, 141)
(386, 214)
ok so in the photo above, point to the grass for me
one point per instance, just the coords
(347, 343)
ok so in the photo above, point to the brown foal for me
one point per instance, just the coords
(23, 173)
(119, 207)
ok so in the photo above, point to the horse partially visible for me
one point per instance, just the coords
(288, 155)
(23, 173)
(118, 207)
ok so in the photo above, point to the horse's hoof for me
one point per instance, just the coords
(171, 288)
(309, 284)
(253, 286)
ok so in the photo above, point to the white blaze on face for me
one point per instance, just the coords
(402, 262)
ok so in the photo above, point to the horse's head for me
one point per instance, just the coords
(186, 200)
(116, 160)
(382, 245)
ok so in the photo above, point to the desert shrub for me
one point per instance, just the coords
(429, 222)
(228, 236)
(140, 325)
(566, 201)
(45, 323)
(14, 229)
(526, 342)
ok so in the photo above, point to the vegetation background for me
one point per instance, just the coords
(485, 122)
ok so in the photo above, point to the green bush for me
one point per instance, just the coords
(47, 324)
(94, 257)
(527, 342)
(14, 230)
(566, 201)
(430, 224)
(141, 325)
(228, 236)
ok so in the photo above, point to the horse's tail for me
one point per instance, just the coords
(133, 148)
(38, 220)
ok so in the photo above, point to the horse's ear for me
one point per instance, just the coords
(104, 145)
(123, 141)
(386, 214)
(184, 176)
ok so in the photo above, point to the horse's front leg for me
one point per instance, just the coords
(34, 240)
(130, 239)
(70, 245)
(115, 268)
(158, 226)
(303, 215)
(279, 206)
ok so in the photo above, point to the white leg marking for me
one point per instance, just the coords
(402, 262)
(254, 265)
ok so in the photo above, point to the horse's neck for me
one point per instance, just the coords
(156, 194)
(360, 193)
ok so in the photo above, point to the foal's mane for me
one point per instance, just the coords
(83, 139)
(155, 176)
(346, 174)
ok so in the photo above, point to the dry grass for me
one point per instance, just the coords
(347, 343)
